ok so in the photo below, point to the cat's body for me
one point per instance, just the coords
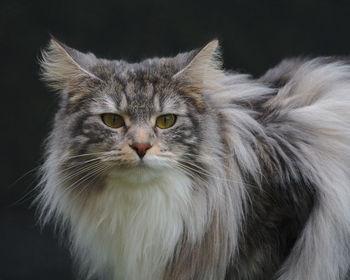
(250, 181)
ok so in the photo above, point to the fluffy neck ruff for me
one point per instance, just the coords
(132, 228)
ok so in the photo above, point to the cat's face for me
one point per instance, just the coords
(131, 120)
(136, 123)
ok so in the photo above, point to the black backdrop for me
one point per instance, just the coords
(254, 36)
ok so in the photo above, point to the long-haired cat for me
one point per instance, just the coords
(172, 168)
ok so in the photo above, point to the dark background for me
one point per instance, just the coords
(254, 36)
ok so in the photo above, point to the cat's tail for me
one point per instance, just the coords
(317, 100)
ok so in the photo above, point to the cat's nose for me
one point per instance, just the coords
(140, 148)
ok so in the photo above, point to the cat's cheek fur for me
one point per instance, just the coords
(132, 231)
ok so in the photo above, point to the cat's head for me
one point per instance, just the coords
(132, 118)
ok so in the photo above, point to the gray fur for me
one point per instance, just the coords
(252, 182)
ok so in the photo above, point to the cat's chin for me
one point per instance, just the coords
(140, 174)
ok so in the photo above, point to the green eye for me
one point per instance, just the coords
(113, 120)
(166, 121)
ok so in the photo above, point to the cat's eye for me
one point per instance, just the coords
(113, 120)
(166, 121)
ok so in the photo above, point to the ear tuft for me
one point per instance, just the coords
(65, 69)
(204, 70)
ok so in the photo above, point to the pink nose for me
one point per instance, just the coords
(140, 148)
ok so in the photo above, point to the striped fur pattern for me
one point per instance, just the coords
(252, 182)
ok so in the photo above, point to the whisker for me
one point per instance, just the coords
(88, 154)
(214, 177)
(218, 158)
(28, 195)
(23, 176)
(93, 178)
(69, 189)
(77, 164)
(78, 172)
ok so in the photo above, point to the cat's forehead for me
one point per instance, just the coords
(146, 85)
(150, 71)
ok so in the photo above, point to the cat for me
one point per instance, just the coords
(173, 168)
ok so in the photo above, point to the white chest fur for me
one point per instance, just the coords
(129, 231)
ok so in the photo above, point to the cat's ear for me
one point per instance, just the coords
(203, 69)
(66, 69)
